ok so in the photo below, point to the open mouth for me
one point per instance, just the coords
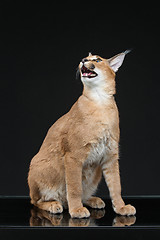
(88, 73)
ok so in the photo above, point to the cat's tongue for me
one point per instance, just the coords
(86, 74)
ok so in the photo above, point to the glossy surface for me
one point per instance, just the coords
(18, 212)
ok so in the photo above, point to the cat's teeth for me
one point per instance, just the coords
(85, 74)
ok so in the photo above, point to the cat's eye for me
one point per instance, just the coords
(97, 60)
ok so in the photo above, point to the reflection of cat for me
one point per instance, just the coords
(80, 146)
(121, 221)
(43, 218)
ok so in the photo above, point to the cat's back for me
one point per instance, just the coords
(53, 141)
(84, 123)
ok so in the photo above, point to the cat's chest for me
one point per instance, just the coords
(101, 150)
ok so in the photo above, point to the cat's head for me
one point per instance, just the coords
(95, 70)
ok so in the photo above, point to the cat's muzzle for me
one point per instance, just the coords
(86, 72)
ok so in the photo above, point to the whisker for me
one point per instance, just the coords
(77, 73)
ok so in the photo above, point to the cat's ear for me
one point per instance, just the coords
(89, 54)
(116, 61)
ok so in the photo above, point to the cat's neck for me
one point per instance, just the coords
(98, 95)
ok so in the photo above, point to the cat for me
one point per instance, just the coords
(80, 146)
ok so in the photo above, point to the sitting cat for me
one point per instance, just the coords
(80, 146)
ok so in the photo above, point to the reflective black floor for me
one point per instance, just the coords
(18, 212)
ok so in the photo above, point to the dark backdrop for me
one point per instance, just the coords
(41, 46)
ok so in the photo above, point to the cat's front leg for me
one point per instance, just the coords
(112, 178)
(73, 176)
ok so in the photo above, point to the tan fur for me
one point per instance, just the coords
(78, 148)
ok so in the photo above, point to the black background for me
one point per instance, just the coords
(41, 46)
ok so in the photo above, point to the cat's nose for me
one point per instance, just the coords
(84, 60)
(92, 66)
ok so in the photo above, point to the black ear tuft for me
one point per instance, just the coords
(128, 51)
(77, 73)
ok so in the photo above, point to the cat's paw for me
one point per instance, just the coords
(55, 207)
(95, 202)
(81, 212)
(126, 210)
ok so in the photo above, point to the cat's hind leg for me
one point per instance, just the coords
(95, 202)
(50, 206)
